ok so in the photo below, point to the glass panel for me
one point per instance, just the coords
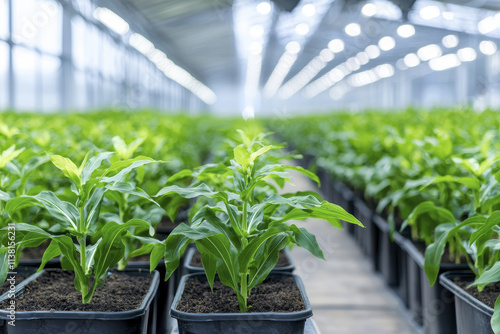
(4, 76)
(51, 28)
(79, 99)
(38, 24)
(4, 19)
(78, 27)
(25, 77)
(50, 83)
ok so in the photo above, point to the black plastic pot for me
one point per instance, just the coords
(190, 269)
(34, 322)
(387, 252)
(402, 258)
(366, 237)
(163, 298)
(437, 304)
(53, 263)
(326, 183)
(256, 323)
(472, 316)
(344, 197)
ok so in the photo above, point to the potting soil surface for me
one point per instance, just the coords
(488, 296)
(55, 291)
(273, 295)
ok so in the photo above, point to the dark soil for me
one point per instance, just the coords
(282, 260)
(273, 295)
(166, 225)
(54, 291)
(488, 296)
(34, 253)
(142, 258)
(19, 278)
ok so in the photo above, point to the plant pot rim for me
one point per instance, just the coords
(274, 316)
(192, 250)
(122, 315)
(446, 279)
(415, 254)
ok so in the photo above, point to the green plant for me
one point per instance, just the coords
(242, 228)
(99, 247)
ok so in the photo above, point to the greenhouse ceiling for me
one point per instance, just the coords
(244, 52)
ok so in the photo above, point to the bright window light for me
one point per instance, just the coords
(353, 64)
(336, 45)
(141, 43)
(257, 31)
(444, 62)
(111, 20)
(293, 47)
(467, 54)
(386, 43)
(326, 55)
(448, 15)
(487, 25)
(309, 10)
(353, 29)
(255, 48)
(363, 58)
(450, 41)
(369, 10)
(302, 29)
(487, 47)
(430, 12)
(406, 30)
(372, 51)
(264, 8)
(411, 60)
(400, 64)
(428, 52)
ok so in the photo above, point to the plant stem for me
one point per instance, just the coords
(83, 240)
(244, 217)
(243, 292)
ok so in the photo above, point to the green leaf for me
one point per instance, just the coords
(260, 152)
(8, 155)
(51, 252)
(68, 168)
(123, 171)
(92, 208)
(4, 265)
(471, 182)
(492, 221)
(267, 260)
(495, 319)
(64, 213)
(209, 262)
(127, 188)
(94, 163)
(192, 192)
(492, 275)
(242, 157)
(307, 240)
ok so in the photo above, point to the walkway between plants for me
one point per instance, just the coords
(347, 297)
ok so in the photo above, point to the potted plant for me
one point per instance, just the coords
(239, 232)
(89, 249)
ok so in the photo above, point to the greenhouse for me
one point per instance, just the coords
(241, 166)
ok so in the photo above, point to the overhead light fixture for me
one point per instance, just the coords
(369, 10)
(141, 43)
(326, 55)
(487, 25)
(336, 45)
(411, 60)
(444, 62)
(467, 54)
(302, 29)
(450, 41)
(293, 47)
(111, 20)
(255, 48)
(372, 51)
(257, 31)
(353, 64)
(264, 8)
(386, 43)
(384, 70)
(448, 15)
(400, 64)
(363, 58)
(428, 52)
(353, 29)
(406, 30)
(487, 47)
(308, 10)
(430, 12)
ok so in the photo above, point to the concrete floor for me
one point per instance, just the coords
(347, 297)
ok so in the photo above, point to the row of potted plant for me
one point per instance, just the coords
(102, 213)
(429, 181)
